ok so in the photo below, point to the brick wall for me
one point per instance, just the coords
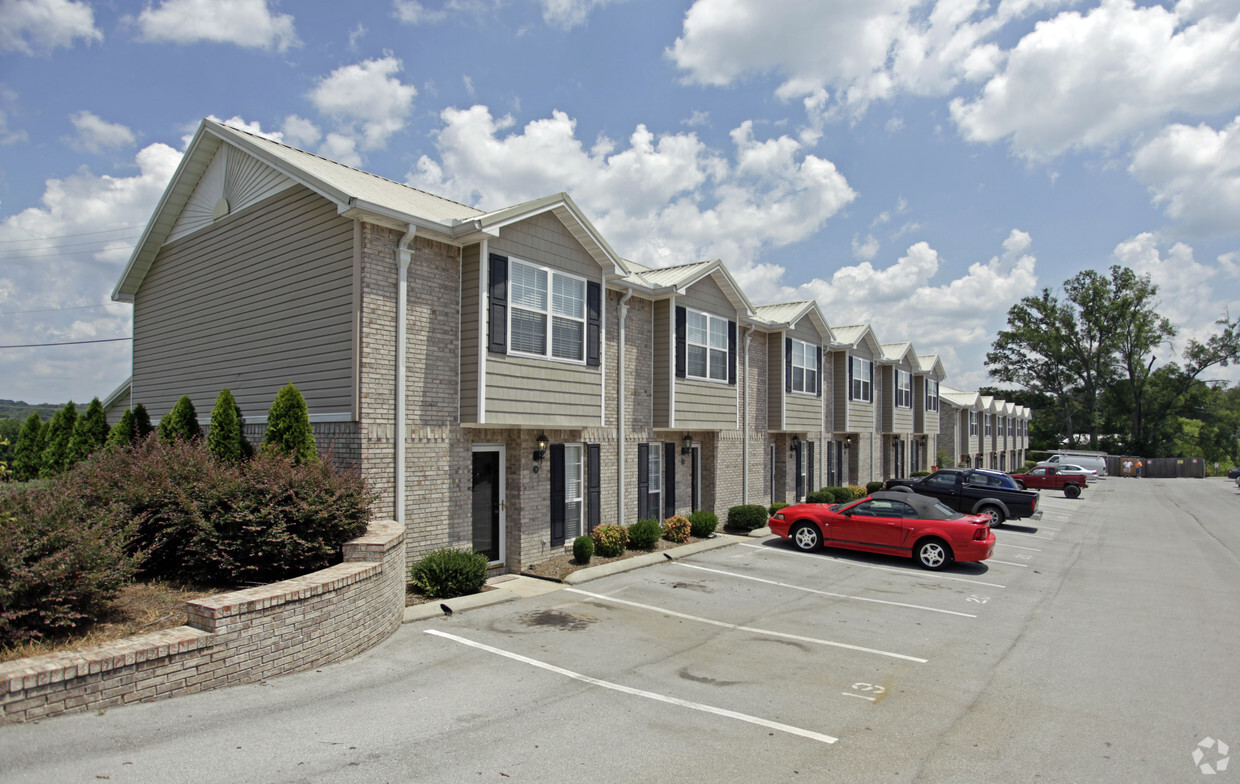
(231, 638)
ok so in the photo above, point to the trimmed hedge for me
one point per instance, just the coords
(775, 507)
(872, 487)
(747, 517)
(645, 534)
(446, 573)
(583, 549)
(702, 523)
(823, 496)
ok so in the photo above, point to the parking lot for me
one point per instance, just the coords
(1096, 645)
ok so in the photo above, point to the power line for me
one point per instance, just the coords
(69, 343)
(70, 236)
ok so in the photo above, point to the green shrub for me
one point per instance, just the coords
(90, 433)
(610, 540)
(747, 517)
(288, 426)
(125, 431)
(775, 507)
(202, 520)
(28, 451)
(703, 523)
(446, 573)
(916, 474)
(838, 494)
(141, 422)
(56, 443)
(823, 496)
(855, 492)
(58, 568)
(676, 529)
(874, 486)
(645, 534)
(583, 549)
(226, 439)
(181, 423)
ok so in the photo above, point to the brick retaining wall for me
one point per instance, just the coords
(238, 637)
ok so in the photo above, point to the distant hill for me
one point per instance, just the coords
(20, 409)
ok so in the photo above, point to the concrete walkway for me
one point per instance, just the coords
(508, 587)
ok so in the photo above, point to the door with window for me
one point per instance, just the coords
(488, 501)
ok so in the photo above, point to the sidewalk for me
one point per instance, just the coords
(508, 587)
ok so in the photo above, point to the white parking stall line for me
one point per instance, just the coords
(697, 706)
(821, 593)
(922, 575)
(735, 627)
(1018, 547)
(862, 696)
(1031, 536)
(1008, 563)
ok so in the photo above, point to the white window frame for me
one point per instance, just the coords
(932, 397)
(987, 424)
(973, 426)
(549, 312)
(577, 453)
(904, 389)
(713, 352)
(861, 370)
(807, 365)
(654, 479)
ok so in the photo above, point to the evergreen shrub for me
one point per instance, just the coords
(773, 508)
(181, 423)
(446, 573)
(747, 517)
(872, 487)
(90, 433)
(583, 549)
(645, 534)
(28, 451)
(288, 426)
(56, 442)
(703, 523)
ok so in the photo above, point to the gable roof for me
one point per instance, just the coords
(786, 315)
(357, 194)
(854, 335)
(960, 399)
(669, 281)
(895, 353)
(932, 366)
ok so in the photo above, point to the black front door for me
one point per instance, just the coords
(486, 504)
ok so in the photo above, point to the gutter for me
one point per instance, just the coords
(745, 423)
(621, 424)
(404, 254)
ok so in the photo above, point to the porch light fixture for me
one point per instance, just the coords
(796, 444)
(540, 449)
(686, 444)
(847, 441)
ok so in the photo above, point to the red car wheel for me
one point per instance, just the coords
(933, 554)
(805, 536)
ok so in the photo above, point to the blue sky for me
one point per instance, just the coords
(920, 166)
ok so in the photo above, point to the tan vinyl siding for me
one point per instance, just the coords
(902, 418)
(471, 337)
(804, 412)
(839, 391)
(543, 240)
(260, 298)
(664, 346)
(886, 404)
(705, 405)
(524, 391)
(706, 296)
(775, 380)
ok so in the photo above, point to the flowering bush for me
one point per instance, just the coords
(609, 540)
(676, 529)
(857, 492)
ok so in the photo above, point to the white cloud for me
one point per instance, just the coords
(95, 135)
(1194, 173)
(247, 23)
(413, 12)
(367, 100)
(38, 26)
(567, 14)
(864, 249)
(69, 252)
(659, 200)
(300, 132)
(1094, 79)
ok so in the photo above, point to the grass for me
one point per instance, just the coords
(140, 607)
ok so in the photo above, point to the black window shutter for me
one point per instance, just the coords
(731, 352)
(556, 453)
(594, 322)
(669, 479)
(809, 464)
(800, 490)
(871, 382)
(594, 476)
(682, 319)
(497, 337)
(787, 364)
(643, 481)
(850, 377)
(819, 373)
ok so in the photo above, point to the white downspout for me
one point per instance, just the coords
(745, 424)
(404, 254)
(621, 424)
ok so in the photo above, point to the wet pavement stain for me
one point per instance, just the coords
(685, 674)
(556, 619)
(699, 587)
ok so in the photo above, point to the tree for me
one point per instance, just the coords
(1139, 330)
(141, 422)
(226, 438)
(56, 450)
(10, 429)
(125, 431)
(288, 426)
(181, 423)
(89, 433)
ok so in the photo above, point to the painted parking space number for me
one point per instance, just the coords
(978, 599)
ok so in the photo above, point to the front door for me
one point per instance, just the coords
(488, 493)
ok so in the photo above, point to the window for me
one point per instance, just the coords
(547, 314)
(654, 481)
(988, 418)
(904, 389)
(573, 490)
(862, 373)
(707, 342)
(804, 367)
(972, 423)
(932, 395)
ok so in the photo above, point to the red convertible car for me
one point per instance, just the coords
(892, 522)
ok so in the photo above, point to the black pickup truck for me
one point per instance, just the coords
(973, 492)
